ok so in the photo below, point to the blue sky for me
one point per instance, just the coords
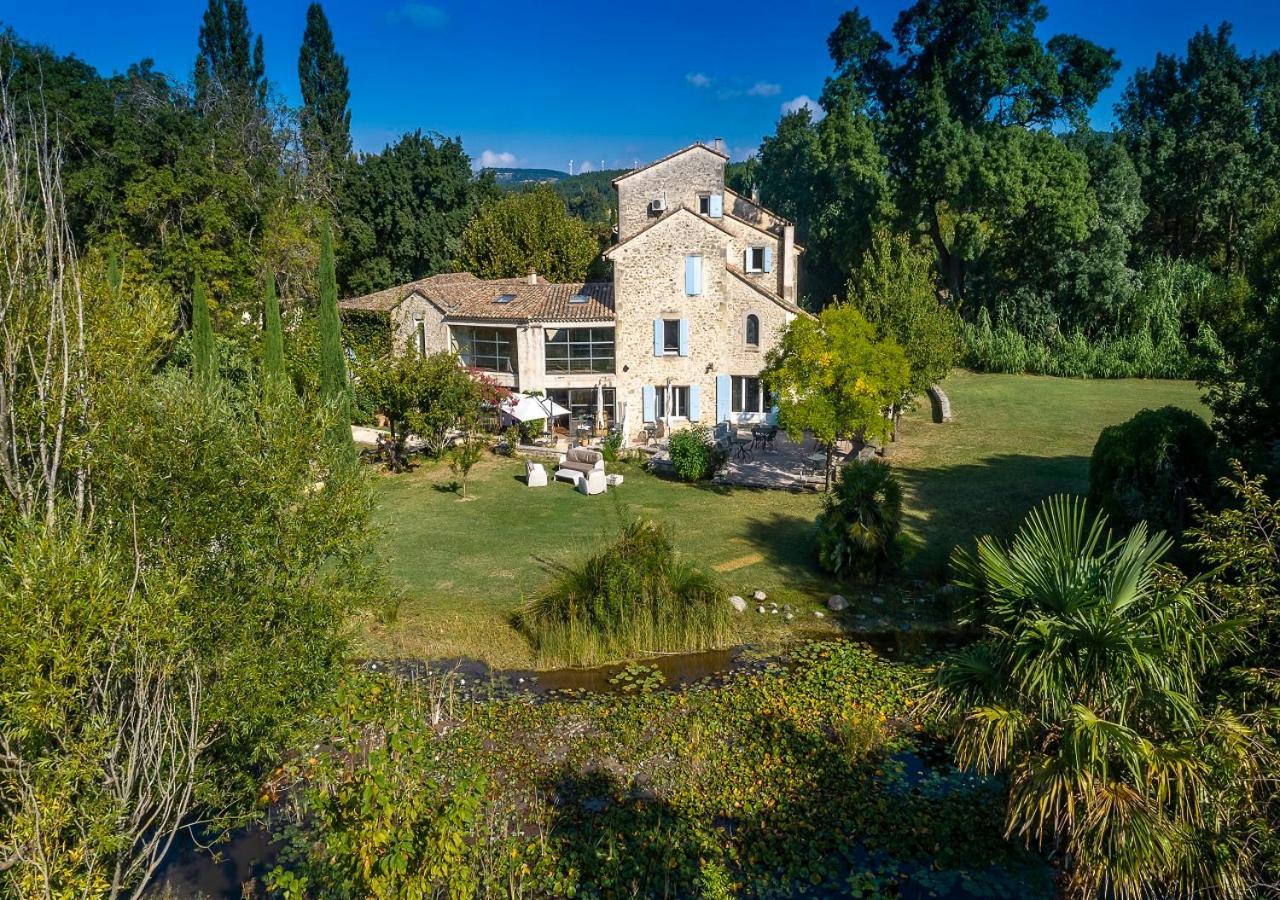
(538, 84)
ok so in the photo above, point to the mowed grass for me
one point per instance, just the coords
(464, 566)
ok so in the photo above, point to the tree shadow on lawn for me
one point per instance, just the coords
(946, 506)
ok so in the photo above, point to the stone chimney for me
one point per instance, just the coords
(718, 143)
(532, 277)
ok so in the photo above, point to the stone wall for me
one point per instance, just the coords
(413, 308)
(678, 180)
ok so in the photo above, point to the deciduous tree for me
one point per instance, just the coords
(527, 231)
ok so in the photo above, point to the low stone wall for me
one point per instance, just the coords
(941, 404)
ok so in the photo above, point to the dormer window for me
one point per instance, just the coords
(504, 298)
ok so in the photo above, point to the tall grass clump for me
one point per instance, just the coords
(635, 596)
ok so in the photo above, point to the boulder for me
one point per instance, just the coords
(760, 596)
(739, 604)
(837, 602)
(760, 609)
(819, 614)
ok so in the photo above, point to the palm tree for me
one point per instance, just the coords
(1084, 692)
(861, 520)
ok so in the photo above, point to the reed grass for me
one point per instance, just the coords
(634, 597)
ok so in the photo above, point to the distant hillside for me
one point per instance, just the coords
(518, 177)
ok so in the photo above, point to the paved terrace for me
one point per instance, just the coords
(786, 465)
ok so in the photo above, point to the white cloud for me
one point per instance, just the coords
(698, 80)
(804, 101)
(491, 160)
(764, 89)
(420, 15)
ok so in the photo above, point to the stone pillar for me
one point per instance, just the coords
(789, 266)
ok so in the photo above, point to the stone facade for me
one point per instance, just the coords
(738, 287)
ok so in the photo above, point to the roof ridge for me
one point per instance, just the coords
(776, 298)
(694, 146)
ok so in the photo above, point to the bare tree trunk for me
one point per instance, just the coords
(43, 380)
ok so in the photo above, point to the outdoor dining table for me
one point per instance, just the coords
(742, 448)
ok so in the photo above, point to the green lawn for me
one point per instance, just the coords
(464, 565)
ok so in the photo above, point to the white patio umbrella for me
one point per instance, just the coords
(600, 421)
(527, 408)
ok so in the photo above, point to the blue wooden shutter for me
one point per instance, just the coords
(693, 275)
(695, 402)
(746, 260)
(773, 416)
(724, 385)
(646, 394)
(768, 259)
(657, 337)
(717, 206)
(684, 337)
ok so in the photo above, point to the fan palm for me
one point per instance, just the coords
(1084, 693)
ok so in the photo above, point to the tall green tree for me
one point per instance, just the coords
(1085, 694)
(272, 332)
(404, 209)
(834, 377)
(230, 59)
(1202, 129)
(896, 288)
(333, 365)
(322, 75)
(527, 231)
(203, 360)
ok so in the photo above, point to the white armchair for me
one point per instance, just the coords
(534, 474)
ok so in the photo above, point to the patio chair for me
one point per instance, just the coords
(534, 474)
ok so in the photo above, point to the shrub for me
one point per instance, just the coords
(532, 429)
(634, 596)
(860, 521)
(612, 446)
(694, 455)
(1150, 468)
(510, 440)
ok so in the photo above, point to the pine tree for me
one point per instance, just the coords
(322, 74)
(273, 333)
(225, 59)
(201, 334)
(333, 369)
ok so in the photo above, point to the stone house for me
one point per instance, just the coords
(704, 284)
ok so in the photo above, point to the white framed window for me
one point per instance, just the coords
(749, 395)
(755, 259)
(679, 394)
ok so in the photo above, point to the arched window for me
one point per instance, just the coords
(753, 331)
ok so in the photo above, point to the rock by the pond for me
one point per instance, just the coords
(760, 609)
(788, 617)
(760, 596)
(818, 614)
(837, 602)
(738, 603)
(774, 610)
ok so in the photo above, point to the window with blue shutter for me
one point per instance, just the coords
(695, 402)
(717, 206)
(693, 275)
(723, 387)
(684, 337)
(647, 396)
(768, 259)
(657, 337)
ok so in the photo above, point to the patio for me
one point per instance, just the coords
(780, 464)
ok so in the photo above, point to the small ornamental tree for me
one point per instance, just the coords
(463, 457)
(834, 377)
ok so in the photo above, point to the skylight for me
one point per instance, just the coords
(579, 298)
(505, 298)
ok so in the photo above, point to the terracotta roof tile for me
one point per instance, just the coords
(463, 296)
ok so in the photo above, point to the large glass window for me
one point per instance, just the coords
(487, 349)
(679, 400)
(581, 402)
(579, 350)
(749, 395)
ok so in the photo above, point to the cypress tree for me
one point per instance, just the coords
(201, 334)
(322, 74)
(333, 368)
(115, 278)
(272, 334)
